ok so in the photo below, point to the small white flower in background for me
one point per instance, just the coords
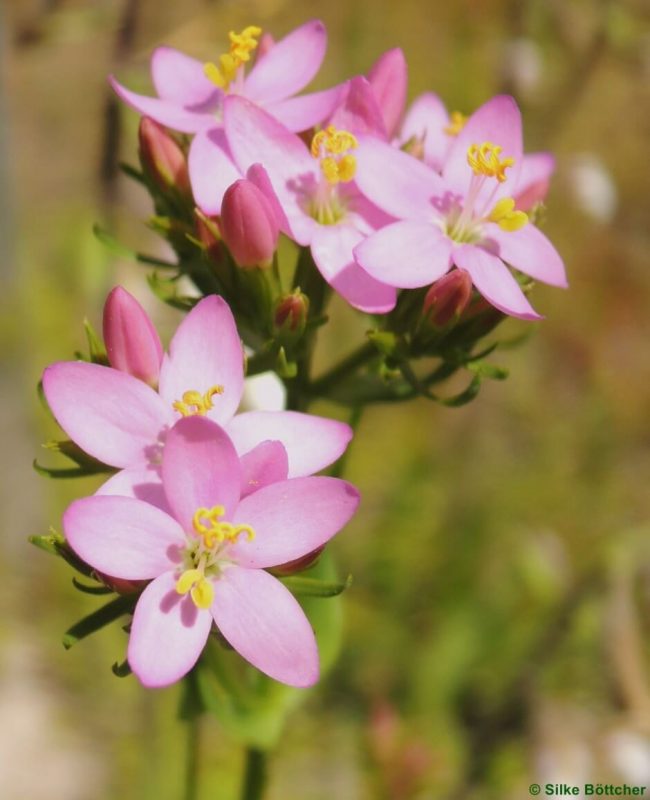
(629, 752)
(593, 187)
(264, 392)
(523, 65)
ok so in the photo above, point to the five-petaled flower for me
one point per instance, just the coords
(206, 558)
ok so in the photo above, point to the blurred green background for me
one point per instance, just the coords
(497, 629)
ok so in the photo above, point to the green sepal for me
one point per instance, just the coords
(250, 706)
(72, 451)
(313, 587)
(122, 251)
(484, 370)
(122, 670)
(387, 343)
(68, 472)
(96, 349)
(113, 610)
(48, 542)
(133, 172)
(284, 367)
(165, 289)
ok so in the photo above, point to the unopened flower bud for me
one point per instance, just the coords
(162, 158)
(132, 342)
(388, 78)
(207, 232)
(249, 224)
(291, 312)
(447, 298)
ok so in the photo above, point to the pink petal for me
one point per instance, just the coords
(255, 137)
(389, 79)
(529, 251)
(303, 112)
(206, 351)
(266, 625)
(289, 65)
(164, 111)
(311, 443)
(180, 79)
(534, 179)
(406, 254)
(292, 518)
(260, 177)
(332, 247)
(266, 463)
(122, 536)
(200, 469)
(494, 281)
(497, 121)
(211, 168)
(168, 633)
(397, 182)
(359, 111)
(426, 120)
(109, 414)
(143, 483)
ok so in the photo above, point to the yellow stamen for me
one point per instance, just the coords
(200, 588)
(207, 523)
(485, 159)
(241, 46)
(506, 216)
(195, 403)
(187, 580)
(456, 123)
(332, 147)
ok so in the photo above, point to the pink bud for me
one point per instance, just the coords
(447, 298)
(291, 311)
(249, 224)
(388, 78)
(298, 564)
(132, 342)
(162, 157)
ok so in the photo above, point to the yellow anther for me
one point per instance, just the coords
(207, 523)
(456, 123)
(241, 46)
(506, 216)
(202, 593)
(485, 159)
(332, 147)
(188, 579)
(195, 403)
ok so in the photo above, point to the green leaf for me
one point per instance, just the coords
(485, 370)
(133, 172)
(68, 472)
(313, 587)
(108, 613)
(122, 251)
(48, 542)
(166, 290)
(96, 347)
(72, 451)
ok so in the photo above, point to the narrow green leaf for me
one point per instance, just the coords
(133, 172)
(68, 472)
(487, 370)
(47, 542)
(122, 251)
(96, 347)
(314, 587)
(98, 589)
(108, 613)
(72, 451)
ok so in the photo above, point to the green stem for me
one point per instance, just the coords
(192, 758)
(344, 368)
(255, 775)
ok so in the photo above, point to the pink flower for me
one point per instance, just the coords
(123, 422)
(206, 559)
(319, 201)
(431, 131)
(191, 95)
(467, 217)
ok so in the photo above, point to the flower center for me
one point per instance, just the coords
(241, 46)
(465, 225)
(456, 123)
(194, 403)
(204, 554)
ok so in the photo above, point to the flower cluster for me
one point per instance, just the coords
(385, 198)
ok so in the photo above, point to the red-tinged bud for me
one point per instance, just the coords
(291, 312)
(447, 298)
(388, 78)
(299, 564)
(121, 585)
(249, 225)
(207, 232)
(162, 158)
(132, 342)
